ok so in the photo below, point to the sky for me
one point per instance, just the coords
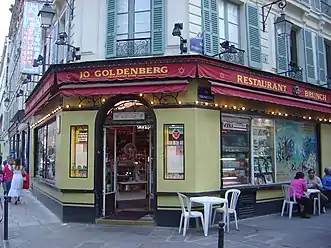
(5, 16)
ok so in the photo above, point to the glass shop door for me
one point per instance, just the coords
(109, 171)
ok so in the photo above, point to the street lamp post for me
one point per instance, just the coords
(46, 15)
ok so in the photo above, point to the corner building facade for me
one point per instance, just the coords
(116, 139)
(123, 137)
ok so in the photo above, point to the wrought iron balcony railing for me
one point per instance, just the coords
(326, 8)
(235, 55)
(133, 47)
(297, 74)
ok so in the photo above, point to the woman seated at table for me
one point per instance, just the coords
(300, 187)
(314, 182)
(326, 181)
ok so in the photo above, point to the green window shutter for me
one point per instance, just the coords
(111, 29)
(211, 41)
(158, 26)
(282, 53)
(253, 36)
(310, 66)
(321, 60)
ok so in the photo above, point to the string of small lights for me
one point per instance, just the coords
(205, 104)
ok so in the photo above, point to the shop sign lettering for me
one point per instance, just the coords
(260, 83)
(125, 72)
(316, 95)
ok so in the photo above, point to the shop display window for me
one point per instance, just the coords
(263, 151)
(46, 152)
(78, 152)
(174, 160)
(296, 149)
(235, 154)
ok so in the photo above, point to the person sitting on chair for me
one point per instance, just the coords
(300, 187)
(326, 181)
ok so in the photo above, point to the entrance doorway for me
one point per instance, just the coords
(128, 168)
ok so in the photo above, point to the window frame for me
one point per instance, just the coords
(45, 131)
(131, 12)
(226, 21)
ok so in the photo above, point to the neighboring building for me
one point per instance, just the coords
(4, 118)
(118, 134)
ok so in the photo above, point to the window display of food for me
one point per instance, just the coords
(235, 154)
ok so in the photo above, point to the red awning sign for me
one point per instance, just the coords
(229, 90)
(260, 83)
(127, 73)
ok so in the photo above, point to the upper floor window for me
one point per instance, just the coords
(293, 46)
(133, 27)
(229, 16)
(328, 62)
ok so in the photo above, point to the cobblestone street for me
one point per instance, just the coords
(32, 225)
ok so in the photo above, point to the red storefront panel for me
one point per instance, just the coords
(178, 86)
(273, 83)
(224, 89)
(134, 72)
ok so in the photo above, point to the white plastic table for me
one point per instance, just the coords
(208, 202)
(318, 192)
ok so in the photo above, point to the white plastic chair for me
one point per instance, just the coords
(235, 193)
(287, 189)
(187, 213)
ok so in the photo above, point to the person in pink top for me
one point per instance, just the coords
(299, 186)
(8, 176)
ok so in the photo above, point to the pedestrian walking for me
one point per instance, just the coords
(8, 175)
(17, 182)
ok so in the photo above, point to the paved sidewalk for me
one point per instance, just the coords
(32, 225)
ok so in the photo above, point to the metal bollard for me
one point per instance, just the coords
(221, 235)
(5, 219)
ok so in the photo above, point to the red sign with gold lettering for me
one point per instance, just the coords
(127, 73)
(245, 79)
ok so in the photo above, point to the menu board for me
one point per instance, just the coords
(174, 152)
(263, 151)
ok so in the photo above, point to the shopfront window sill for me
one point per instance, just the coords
(250, 187)
(47, 182)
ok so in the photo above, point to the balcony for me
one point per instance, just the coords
(326, 8)
(295, 75)
(133, 47)
(231, 54)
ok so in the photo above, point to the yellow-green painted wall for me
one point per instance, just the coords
(72, 118)
(202, 146)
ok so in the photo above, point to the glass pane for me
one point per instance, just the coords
(122, 6)
(122, 37)
(263, 151)
(233, 13)
(142, 22)
(222, 28)
(122, 24)
(142, 35)
(235, 150)
(141, 5)
(78, 151)
(296, 149)
(221, 9)
(51, 152)
(233, 33)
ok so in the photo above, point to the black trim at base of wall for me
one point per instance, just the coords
(170, 218)
(77, 214)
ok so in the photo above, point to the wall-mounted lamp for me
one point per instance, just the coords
(62, 41)
(178, 33)
(39, 61)
(281, 4)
